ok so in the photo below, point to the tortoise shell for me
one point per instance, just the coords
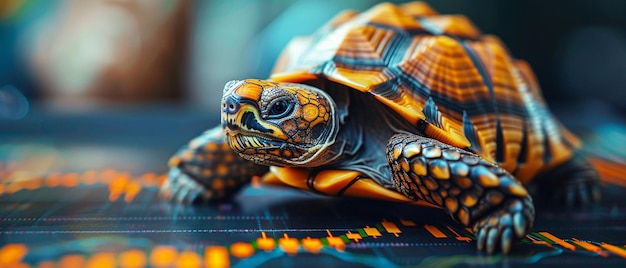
(441, 74)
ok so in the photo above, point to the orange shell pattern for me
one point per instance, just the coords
(437, 69)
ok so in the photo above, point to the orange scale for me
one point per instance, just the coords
(394, 16)
(418, 9)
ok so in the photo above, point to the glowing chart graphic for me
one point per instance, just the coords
(111, 218)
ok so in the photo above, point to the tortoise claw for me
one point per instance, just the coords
(499, 229)
(581, 192)
(473, 191)
(182, 189)
(572, 184)
(207, 170)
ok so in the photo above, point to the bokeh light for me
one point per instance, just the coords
(13, 104)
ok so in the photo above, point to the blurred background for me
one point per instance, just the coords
(126, 82)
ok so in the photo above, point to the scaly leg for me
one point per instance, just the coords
(207, 168)
(472, 190)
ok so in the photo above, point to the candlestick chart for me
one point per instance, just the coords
(90, 199)
(112, 218)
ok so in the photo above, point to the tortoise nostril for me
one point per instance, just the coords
(230, 105)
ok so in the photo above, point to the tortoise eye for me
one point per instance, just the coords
(279, 109)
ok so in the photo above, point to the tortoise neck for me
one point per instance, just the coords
(363, 136)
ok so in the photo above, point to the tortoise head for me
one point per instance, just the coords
(280, 124)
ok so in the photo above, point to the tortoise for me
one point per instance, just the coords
(396, 103)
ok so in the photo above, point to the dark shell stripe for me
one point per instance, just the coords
(373, 49)
(441, 70)
(490, 78)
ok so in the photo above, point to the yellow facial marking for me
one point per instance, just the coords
(303, 99)
(259, 116)
(310, 112)
(276, 131)
(250, 91)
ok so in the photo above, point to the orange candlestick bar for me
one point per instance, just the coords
(433, 230)
(132, 189)
(132, 258)
(163, 256)
(289, 244)
(407, 222)
(391, 228)
(70, 180)
(335, 241)
(72, 260)
(557, 240)
(101, 260)
(52, 180)
(371, 231)
(589, 247)
(264, 243)
(537, 241)
(354, 236)
(458, 236)
(117, 187)
(614, 249)
(242, 250)
(313, 245)
(191, 259)
(89, 177)
(12, 254)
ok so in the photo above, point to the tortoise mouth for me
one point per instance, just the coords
(270, 152)
(241, 142)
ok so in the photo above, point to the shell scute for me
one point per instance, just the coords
(440, 73)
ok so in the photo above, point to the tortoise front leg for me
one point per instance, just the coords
(207, 168)
(472, 190)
